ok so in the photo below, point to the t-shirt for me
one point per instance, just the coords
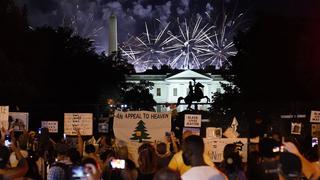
(203, 173)
(178, 165)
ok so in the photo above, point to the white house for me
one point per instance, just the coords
(168, 88)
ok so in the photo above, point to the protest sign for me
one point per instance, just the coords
(192, 120)
(141, 126)
(315, 130)
(18, 121)
(214, 147)
(195, 131)
(4, 116)
(51, 125)
(136, 127)
(296, 128)
(213, 132)
(315, 117)
(74, 121)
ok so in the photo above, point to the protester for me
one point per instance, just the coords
(166, 174)
(268, 168)
(232, 163)
(309, 170)
(91, 168)
(290, 167)
(193, 149)
(173, 144)
(164, 156)
(177, 164)
(147, 161)
(5, 171)
(60, 169)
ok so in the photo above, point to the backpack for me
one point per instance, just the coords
(66, 168)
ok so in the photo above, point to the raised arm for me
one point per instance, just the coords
(308, 169)
(80, 142)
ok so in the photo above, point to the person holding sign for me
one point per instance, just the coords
(193, 149)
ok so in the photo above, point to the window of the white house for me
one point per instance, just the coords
(219, 90)
(175, 91)
(158, 91)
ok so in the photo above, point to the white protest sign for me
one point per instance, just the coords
(141, 126)
(4, 116)
(51, 125)
(214, 147)
(137, 127)
(18, 121)
(213, 132)
(296, 128)
(73, 121)
(315, 117)
(192, 120)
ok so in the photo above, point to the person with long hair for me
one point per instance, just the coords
(147, 162)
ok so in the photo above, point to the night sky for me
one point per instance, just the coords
(89, 17)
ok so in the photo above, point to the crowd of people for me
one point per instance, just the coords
(31, 155)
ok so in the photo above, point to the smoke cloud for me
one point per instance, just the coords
(89, 18)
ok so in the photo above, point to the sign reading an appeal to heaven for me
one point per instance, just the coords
(214, 147)
(192, 120)
(51, 125)
(4, 116)
(18, 121)
(141, 126)
(74, 121)
(315, 117)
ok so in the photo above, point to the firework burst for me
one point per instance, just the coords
(147, 50)
(191, 46)
(188, 45)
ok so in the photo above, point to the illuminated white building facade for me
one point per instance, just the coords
(168, 88)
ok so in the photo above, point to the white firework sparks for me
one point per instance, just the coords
(188, 45)
(84, 25)
(192, 47)
(147, 50)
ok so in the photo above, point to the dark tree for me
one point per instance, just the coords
(137, 95)
(275, 65)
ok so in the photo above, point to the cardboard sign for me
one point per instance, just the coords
(51, 125)
(4, 116)
(18, 121)
(214, 147)
(74, 121)
(213, 132)
(195, 131)
(315, 117)
(296, 128)
(192, 120)
(315, 130)
(103, 127)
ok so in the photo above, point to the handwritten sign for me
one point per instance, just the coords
(315, 117)
(51, 125)
(213, 132)
(18, 121)
(315, 130)
(192, 120)
(74, 121)
(4, 116)
(214, 147)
